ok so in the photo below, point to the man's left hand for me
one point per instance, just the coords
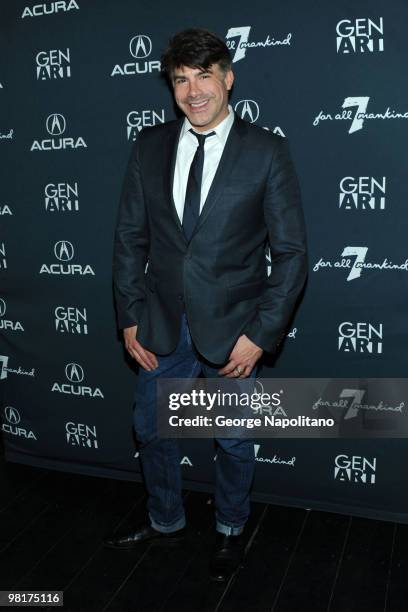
(242, 359)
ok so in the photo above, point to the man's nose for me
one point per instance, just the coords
(193, 89)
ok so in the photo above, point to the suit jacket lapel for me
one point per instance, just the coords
(171, 156)
(229, 158)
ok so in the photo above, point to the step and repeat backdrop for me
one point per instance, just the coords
(79, 79)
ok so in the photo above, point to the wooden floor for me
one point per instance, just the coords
(52, 525)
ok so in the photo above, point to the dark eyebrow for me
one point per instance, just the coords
(201, 71)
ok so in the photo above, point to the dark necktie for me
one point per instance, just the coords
(193, 192)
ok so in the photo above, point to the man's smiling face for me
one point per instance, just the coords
(202, 95)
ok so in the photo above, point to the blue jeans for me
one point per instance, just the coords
(160, 458)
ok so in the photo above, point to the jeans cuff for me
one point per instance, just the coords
(168, 528)
(227, 529)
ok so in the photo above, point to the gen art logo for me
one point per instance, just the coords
(362, 193)
(360, 337)
(354, 468)
(360, 35)
(81, 434)
(61, 197)
(53, 64)
(71, 320)
(137, 120)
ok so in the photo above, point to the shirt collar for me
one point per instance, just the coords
(222, 129)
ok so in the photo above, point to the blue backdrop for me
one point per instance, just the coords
(78, 81)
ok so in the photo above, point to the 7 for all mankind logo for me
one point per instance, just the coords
(240, 46)
(359, 264)
(358, 116)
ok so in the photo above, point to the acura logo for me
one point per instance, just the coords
(74, 372)
(259, 387)
(140, 46)
(56, 124)
(258, 392)
(64, 251)
(247, 109)
(12, 415)
(2, 308)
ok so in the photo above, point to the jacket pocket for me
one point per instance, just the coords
(245, 291)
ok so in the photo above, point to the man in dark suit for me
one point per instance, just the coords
(202, 198)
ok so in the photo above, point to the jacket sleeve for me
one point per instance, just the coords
(131, 245)
(287, 241)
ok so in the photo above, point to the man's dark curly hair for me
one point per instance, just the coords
(195, 48)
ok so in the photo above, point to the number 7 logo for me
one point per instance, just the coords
(243, 34)
(360, 255)
(361, 104)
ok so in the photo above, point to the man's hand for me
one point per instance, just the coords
(145, 358)
(242, 359)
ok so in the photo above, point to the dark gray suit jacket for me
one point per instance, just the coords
(221, 275)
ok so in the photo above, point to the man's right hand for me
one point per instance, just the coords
(145, 358)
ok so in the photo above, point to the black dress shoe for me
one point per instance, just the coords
(144, 533)
(227, 556)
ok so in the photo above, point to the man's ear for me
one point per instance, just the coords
(229, 79)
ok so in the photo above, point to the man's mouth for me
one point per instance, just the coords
(198, 105)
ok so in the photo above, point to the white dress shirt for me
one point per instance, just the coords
(213, 148)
